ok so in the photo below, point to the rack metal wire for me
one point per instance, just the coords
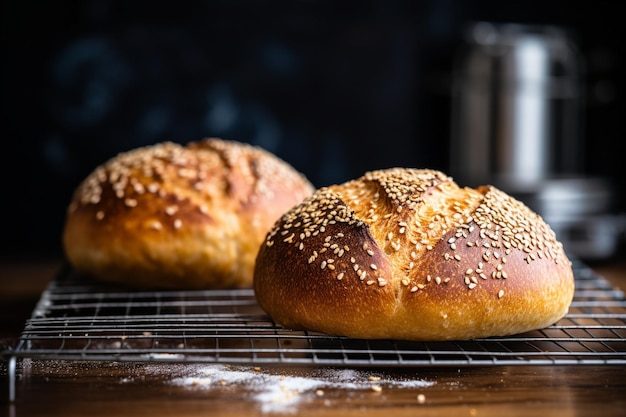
(77, 319)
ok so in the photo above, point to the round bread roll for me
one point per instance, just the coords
(408, 254)
(172, 216)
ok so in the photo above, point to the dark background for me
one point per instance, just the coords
(335, 88)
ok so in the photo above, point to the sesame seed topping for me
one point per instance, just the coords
(155, 225)
(171, 210)
(168, 179)
(403, 213)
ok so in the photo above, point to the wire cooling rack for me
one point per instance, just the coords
(76, 319)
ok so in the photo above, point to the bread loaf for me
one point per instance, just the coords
(408, 254)
(173, 216)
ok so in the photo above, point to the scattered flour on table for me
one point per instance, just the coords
(277, 392)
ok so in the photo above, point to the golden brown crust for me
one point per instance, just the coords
(179, 216)
(407, 254)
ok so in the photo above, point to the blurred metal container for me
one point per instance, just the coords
(516, 116)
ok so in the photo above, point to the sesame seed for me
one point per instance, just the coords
(155, 225)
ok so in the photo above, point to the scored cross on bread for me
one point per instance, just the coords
(408, 254)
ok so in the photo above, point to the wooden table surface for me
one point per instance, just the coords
(79, 388)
